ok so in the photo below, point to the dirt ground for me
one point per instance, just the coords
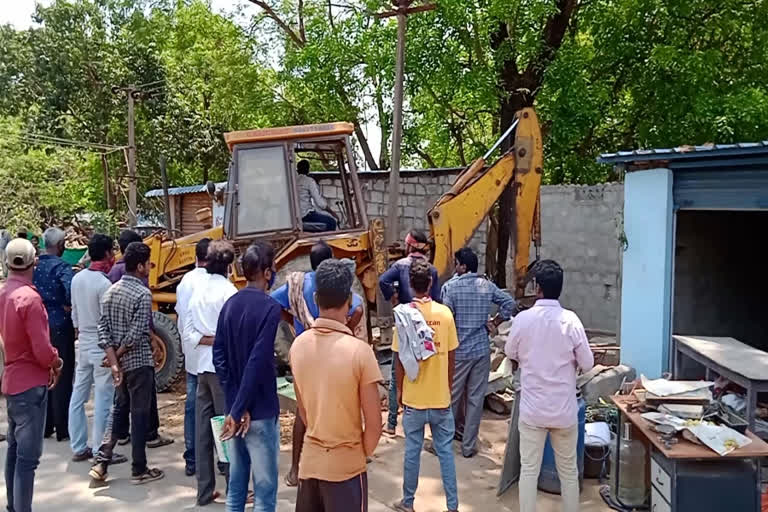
(64, 485)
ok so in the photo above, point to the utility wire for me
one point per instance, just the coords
(46, 139)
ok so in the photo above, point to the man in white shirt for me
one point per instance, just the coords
(550, 345)
(192, 280)
(88, 288)
(312, 205)
(199, 329)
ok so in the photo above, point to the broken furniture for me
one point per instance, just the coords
(728, 358)
(685, 476)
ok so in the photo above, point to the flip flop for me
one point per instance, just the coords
(98, 472)
(150, 475)
(118, 459)
(159, 441)
(250, 499)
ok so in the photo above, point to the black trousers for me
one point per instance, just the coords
(137, 387)
(210, 402)
(322, 496)
(122, 423)
(57, 419)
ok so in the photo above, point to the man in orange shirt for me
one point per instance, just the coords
(336, 378)
(427, 399)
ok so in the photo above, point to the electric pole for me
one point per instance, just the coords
(403, 9)
(133, 93)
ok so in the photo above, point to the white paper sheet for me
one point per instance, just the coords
(664, 387)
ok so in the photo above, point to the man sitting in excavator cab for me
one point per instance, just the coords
(315, 211)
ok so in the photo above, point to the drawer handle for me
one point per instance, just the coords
(654, 507)
(658, 481)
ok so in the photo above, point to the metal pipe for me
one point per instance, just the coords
(501, 139)
(166, 198)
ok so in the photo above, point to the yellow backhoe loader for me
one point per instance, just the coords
(261, 202)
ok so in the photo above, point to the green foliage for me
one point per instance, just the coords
(42, 186)
(603, 75)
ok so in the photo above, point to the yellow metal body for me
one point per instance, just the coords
(457, 214)
(453, 219)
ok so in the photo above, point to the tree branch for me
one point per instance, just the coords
(282, 24)
(302, 33)
(424, 156)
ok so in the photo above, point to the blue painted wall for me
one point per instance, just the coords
(647, 271)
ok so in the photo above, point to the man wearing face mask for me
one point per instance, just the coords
(88, 289)
(244, 357)
(200, 325)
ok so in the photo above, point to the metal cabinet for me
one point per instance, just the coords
(703, 486)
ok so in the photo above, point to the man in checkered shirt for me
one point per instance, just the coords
(124, 335)
(471, 297)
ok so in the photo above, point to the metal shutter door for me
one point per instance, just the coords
(721, 190)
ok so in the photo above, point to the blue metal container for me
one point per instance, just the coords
(548, 480)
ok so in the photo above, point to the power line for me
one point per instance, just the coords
(36, 138)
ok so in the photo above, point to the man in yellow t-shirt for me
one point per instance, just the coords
(427, 400)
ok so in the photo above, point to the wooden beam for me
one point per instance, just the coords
(406, 11)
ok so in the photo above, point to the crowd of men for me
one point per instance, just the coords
(441, 362)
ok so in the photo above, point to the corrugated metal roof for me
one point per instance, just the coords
(180, 191)
(682, 152)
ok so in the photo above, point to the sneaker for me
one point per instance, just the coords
(189, 470)
(124, 441)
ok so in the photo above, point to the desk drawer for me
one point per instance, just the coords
(658, 504)
(661, 480)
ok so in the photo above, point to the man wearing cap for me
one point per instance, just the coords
(32, 366)
(416, 248)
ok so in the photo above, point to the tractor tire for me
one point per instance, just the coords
(172, 364)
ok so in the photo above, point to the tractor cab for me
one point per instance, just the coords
(264, 191)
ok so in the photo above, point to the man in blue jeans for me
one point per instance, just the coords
(88, 288)
(427, 398)
(416, 248)
(190, 282)
(243, 354)
(32, 366)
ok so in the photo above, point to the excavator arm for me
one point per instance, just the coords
(458, 213)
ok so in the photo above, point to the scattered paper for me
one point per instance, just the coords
(664, 387)
(664, 419)
(719, 438)
(692, 412)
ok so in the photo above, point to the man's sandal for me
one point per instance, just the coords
(150, 475)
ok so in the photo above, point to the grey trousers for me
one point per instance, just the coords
(210, 402)
(471, 379)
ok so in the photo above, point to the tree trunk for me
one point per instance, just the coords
(506, 210)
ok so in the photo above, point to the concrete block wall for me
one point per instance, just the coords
(580, 228)
(419, 190)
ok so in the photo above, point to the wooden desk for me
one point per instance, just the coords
(729, 358)
(685, 449)
(687, 476)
